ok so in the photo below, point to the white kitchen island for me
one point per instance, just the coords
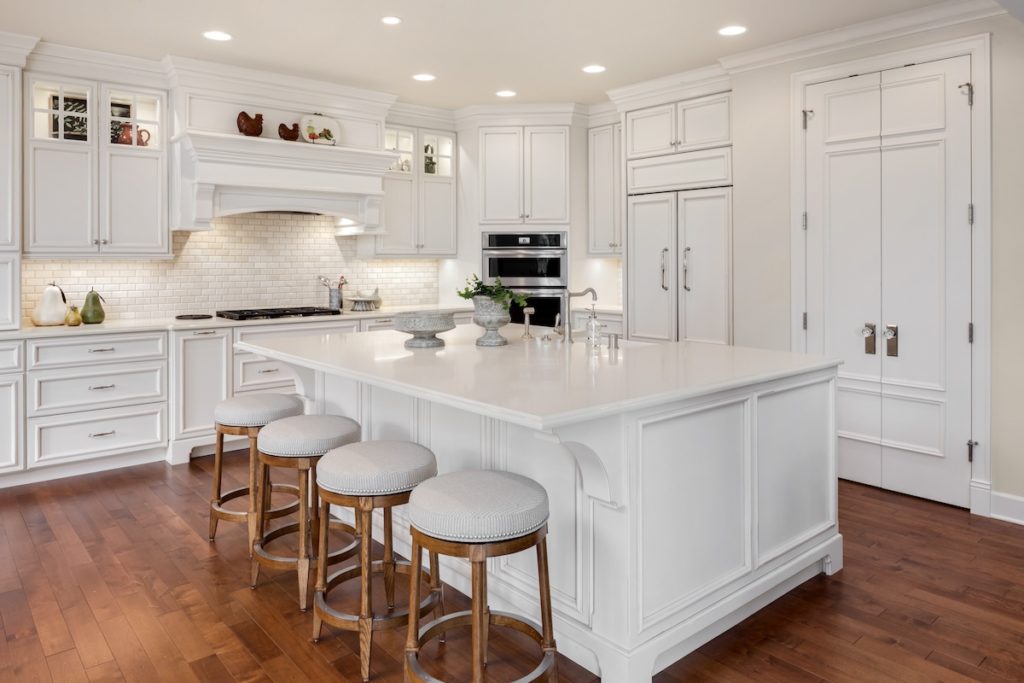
(690, 484)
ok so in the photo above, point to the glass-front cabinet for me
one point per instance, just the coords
(96, 170)
(419, 194)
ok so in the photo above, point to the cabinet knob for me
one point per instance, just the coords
(104, 241)
(95, 241)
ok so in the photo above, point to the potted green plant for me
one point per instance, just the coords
(490, 307)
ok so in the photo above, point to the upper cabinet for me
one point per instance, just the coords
(669, 128)
(524, 174)
(10, 167)
(95, 169)
(419, 194)
(604, 167)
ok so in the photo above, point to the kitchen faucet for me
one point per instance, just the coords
(567, 324)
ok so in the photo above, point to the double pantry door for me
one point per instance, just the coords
(888, 191)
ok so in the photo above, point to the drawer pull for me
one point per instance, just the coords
(267, 371)
(97, 434)
(383, 322)
(105, 349)
(205, 332)
(100, 387)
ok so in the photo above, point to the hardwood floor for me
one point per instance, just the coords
(110, 577)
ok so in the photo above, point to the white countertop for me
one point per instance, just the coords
(133, 325)
(540, 385)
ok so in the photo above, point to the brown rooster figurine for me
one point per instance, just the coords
(248, 125)
(286, 133)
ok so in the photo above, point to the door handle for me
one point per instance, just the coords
(664, 267)
(686, 269)
(892, 340)
(869, 338)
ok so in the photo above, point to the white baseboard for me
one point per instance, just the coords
(1008, 507)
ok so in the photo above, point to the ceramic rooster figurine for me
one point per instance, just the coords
(286, 133)
(248, 125)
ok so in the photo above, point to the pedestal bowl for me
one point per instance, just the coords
(424, 326)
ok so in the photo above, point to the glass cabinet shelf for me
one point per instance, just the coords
(403, 142)
(437, 154)
(61, 111)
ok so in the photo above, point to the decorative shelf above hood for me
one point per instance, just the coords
(217, 174)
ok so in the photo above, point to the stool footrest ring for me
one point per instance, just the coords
(269, 559)
(350, 622)
(217, 508)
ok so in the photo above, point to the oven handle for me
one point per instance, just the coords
(547, 253)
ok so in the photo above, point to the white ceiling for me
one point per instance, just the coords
(474, 47)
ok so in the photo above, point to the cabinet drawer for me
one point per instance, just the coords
(251, 334)
(59, 439)
(684, 171)
(10, 356)
(372, 324)
(255, 372)
(95, 386)
(62, 353)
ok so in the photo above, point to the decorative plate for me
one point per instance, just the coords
(319, 129)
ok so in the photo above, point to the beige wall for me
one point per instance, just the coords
(762, 124)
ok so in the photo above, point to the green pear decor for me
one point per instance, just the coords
(92, 309)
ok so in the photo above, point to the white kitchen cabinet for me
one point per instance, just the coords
(256, 373)
(524, 175)
(201, 366)
(683, 171)
(96, 170)
(679, 266)
(419, 195)
(373, 324)
(604, 151)
(73, 437)
(10, 291)
(10, 158)
(670, 128)
(12, 451)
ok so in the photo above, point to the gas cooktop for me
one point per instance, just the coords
(266, 313)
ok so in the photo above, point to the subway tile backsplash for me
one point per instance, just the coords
(253, 260)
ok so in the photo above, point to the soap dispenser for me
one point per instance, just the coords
(593, 328)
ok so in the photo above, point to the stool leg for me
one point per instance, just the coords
(547, 630)
(412, 640)
(251, 518)
(478, 620)
(365, 592)
(486, 635)
(321, 565)
(314, 506)
(436, 587)
(302, 566)
(389, 562)
(263, 485)
(218, 461)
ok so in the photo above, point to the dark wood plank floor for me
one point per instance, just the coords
(110, 577)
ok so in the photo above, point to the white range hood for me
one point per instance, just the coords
(218, 174)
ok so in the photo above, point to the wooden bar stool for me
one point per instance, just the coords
(367, 476)
(246, 416)
(297, 443)
(477, 515)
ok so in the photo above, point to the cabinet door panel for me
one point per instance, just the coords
(650, 131)
(705, 266)
(202, 371)
(437, 217)
(61, 211)
(501, 175)
(651, 270)
(10, 291)
(133, 209)
(12, 453)
(703, 122)
(604, 190)
(10, 170)
(399, 216)
(546, 175)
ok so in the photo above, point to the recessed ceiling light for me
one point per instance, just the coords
(216, 35)
(391, 21)
(593, 69)
(424, 77)
(732, 30)
(506, 93)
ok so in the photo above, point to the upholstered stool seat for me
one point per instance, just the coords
(367, 476)
(246, 416)
(477, 515)
(375, 468)
(298, 443)
(479, 506)
(257, 410)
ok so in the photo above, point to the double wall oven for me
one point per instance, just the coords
(535, 264)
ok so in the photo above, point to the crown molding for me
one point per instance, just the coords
(896, 25)
(421, 116)
(602, 114)
(706, 80)
(96, 65)
(15, 48)
(1014, 7)
(198, 75)
(520, 115)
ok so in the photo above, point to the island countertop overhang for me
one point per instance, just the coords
(539, 385)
